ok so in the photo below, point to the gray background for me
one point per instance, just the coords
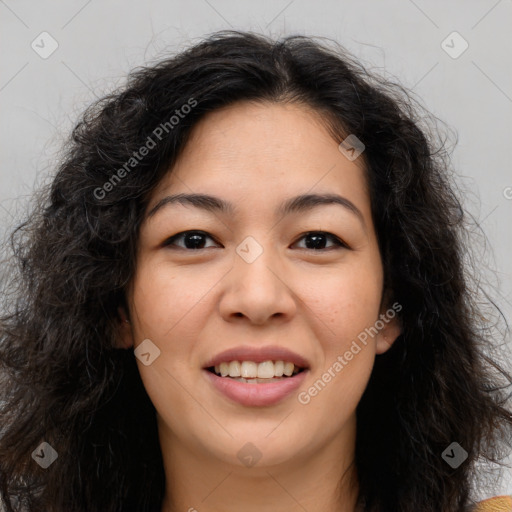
(100, 41)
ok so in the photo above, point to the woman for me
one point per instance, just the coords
(245, 288)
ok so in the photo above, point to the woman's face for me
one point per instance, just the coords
(258, 283)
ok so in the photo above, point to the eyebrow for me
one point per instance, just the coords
(298, 204)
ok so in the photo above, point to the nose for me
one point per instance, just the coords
(258, 291)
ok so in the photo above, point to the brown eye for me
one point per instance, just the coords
(192, 240)
(316, 240)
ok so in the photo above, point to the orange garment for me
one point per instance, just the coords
(498, 504)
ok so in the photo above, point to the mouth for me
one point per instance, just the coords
(256, 376)
(251, 372)
(252, 384)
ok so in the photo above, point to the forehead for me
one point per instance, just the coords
(265, 150)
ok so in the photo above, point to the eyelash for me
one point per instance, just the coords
(338, 241)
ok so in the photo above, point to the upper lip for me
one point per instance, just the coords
(258, 355)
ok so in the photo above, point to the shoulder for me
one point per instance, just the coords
(497, 504)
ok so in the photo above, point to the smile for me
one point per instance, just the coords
(250, 371)
(255, 384)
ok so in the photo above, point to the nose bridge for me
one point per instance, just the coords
(257, 286)
(257, 261)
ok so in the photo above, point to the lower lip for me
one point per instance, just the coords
(256, 395)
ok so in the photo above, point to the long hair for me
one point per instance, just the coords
(65, 383)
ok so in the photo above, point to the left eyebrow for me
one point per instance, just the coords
(298, 204)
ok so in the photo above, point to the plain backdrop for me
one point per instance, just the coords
(464, 78)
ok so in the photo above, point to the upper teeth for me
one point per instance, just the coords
(251, 370)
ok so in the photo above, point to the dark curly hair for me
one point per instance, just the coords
(65, 382)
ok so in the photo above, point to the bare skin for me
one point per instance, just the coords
(194, 303)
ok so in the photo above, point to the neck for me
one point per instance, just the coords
(323, 480)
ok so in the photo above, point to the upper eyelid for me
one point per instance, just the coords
(195, 231)
(338, 241)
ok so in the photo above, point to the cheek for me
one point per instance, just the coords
(343, 312)
(348, 304)
(345, 302)
(162, 308)
(163, 299)
(164, 305)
